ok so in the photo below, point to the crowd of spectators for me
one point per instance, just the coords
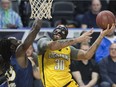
(85, 72)
(83, 11)
(88, 73)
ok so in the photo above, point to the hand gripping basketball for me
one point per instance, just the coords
(104, 18)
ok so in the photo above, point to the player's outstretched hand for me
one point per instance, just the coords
(86, 36)
(108, 30)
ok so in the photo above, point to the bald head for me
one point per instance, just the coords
(113, 45)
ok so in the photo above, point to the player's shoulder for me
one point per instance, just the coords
(44, 38)
(73, 48)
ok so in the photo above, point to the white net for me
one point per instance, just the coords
(41, 9)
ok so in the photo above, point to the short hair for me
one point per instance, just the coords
(5, 50)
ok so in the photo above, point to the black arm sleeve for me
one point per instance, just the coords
(42, 44)
(74, 53)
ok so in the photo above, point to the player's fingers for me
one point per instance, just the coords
(92, 31)
(108, 26)
(88, 38)
(113, 27)
(89, 32)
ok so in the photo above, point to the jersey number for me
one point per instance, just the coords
(59, 64)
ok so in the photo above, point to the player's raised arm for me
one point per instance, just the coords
(30, 38)
(45, 43)
(88, 55)
(55, 45)
(21, 49)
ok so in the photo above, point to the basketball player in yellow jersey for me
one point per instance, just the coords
(55, 55)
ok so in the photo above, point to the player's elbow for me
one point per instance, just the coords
(51, 48)
(86, 57)
(82, 57)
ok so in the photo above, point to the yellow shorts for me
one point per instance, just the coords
(71, 84)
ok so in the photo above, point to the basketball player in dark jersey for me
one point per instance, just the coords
(14, 57)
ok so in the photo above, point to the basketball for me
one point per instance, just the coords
(104, 18)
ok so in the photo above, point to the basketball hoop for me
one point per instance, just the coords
(41, 9)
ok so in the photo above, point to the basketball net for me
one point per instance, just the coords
(41, 9)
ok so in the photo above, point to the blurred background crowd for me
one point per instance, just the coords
(15, 14)
(73, 13)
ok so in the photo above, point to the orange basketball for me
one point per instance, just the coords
(104, 18)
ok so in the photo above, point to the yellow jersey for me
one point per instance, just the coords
(54, 68)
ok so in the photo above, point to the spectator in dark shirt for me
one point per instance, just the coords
(85, 72)
(89, 19)
(108, 68)
(112, 6)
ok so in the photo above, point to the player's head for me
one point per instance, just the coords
(4, 65)
(8, 47)
(14, 43)
(60, 32)
(5, 53)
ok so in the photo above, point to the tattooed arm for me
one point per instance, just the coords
(21, 49)
(44, 43)
(88, 55)
(82, 55)
(91, 51)
(30, 38)
(36, 72)
(59, 44)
